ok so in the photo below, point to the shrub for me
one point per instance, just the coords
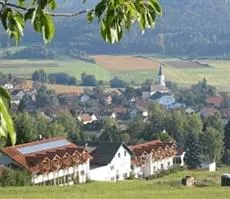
(165, 172)
(15, 178)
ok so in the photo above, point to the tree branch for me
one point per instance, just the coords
(49, 13)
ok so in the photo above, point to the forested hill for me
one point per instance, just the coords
(188, 27)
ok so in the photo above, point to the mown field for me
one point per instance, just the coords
(132, 69)
(168, 187)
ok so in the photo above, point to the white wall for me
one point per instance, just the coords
(76, 170)
(152, 166)
(118, 169)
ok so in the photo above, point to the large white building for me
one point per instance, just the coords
(111, 161)
(53, 161)
(152, 157)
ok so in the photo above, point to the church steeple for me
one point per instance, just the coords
(161, 77)
(160, 72)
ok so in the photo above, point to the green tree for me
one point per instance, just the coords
(70, 124)
(25, 126)
(193, 152)
(25, 101)
(227, 135)
(212, 144)
(55, 129)
(114, 17)
(40, 76)
(110, 131)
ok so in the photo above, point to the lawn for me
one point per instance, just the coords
(168, 187)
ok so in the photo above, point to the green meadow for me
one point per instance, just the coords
(168, 187)
(176, 70)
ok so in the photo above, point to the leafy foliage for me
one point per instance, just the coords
(193, 152)
(6, 123)
(113, 17)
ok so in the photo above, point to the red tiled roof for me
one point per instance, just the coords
(208, 111)
(152, 147)
(216, 100)
(120, 109)
(31, 160)
(85, 117)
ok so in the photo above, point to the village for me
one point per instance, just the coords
(105, 149)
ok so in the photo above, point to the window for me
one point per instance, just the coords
(125, 175)
(162, 166)
(82, 172)
(112, 179)
(154, 168)
(112, 167)
(168, 164)
(125, 153)
(119, 155)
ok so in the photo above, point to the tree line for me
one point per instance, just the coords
(66, 79)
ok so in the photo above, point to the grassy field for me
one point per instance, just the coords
(130, 68)
(168, 187)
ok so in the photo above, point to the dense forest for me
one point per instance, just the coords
(190, 27)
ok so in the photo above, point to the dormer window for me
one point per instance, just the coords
(119, 155)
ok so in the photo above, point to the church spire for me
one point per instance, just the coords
(160, 72)
(161, 77)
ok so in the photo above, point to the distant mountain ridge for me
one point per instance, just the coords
(189, 27)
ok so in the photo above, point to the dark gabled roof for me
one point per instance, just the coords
(103, 152)
(158, 95)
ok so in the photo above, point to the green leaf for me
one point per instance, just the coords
(4, 17)
(48, 29)
(29, 14)
(90, 17)
(6, 125)
(52, 4)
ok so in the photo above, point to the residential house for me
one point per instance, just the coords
(16, 96)
(54, 161)
(8, 86)
(121, 112)
(84, 98)
(214, 101)
(208, 111)
(165, 99)
(142, 106)
(108, 99)
(152, 157)
(111, 161)
(86, 118)
(108, 114)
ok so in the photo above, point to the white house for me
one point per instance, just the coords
(54, 161)
(84, 98)
(111, 161)
(152, 157)
(8, 86)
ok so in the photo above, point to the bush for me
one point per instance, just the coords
(131, 177)
(165, 172)
(15, 178)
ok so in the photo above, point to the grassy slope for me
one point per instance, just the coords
(165, 188)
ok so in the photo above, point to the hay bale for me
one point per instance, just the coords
(188, 181)
(225, 180)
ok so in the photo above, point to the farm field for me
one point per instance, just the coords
(24, 68)
(168, 187)
(132, 69)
